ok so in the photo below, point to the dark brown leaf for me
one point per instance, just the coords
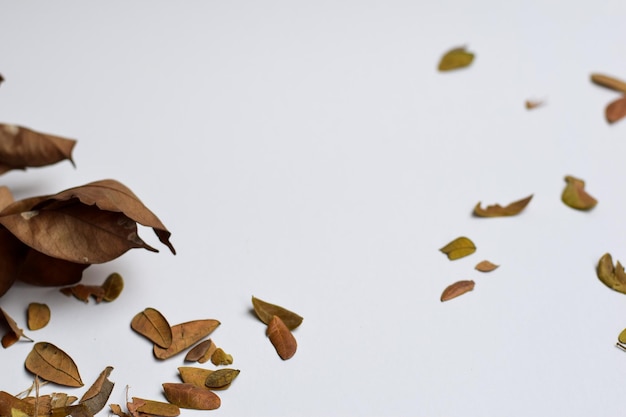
(499, 211)
(265, 311)
(52, 364)
(282, 339)
(185, 335)
(191, 396)
(151, 324)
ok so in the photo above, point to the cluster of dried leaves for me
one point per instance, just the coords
(280, 323)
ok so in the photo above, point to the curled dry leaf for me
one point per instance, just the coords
(92, 401)
(201, 352)
(52, 364)
(613, 277)
(575, 196)
(14, 333)
(455, 58)
(456, 289)
(498, 211)
(219, 357)
(616, 110)
(38, 315)
(282, 339)
(221, 379)
(151, 324)
(191, 396)
(485, 266)
(265, 311)
(459, 248)
(609, 82)
(21, 148)
(185, 335)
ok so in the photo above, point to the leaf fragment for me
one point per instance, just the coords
(497, 210)
(533, 104)
(191, 396)
(609, 82)
(282, 339)
(485, 266)
(98, 394)
(52, 364)
(575, 196)
(455, 58)
(219, 357)
(616, 110)
(38, 315)
(613, 277)
(457, 289)
(221, 378)
(622, 337)
(265, 311)
(151, 324)
(185, 335)
(14, 333)
(112, 286)
(83, 292)
(459, 248)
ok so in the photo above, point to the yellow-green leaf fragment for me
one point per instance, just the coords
(485, 266)
(219, 357)
(38, 315)
(622, 337)
(613, 277)
(575, 196)
(457, 289)
(52, 364)
(459, 248)
(151, 324)
(265, 311)
(112, 286)
(455, 58)
(497, 210)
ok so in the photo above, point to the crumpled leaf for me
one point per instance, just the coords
(455, 58)
(265, 311)
(575, 196)
(221, 379)
(282, 339)
(616, 110)
(151, 324)
(499, 211)
(52, 364)
(459, 248)
(21, 147)
(485, 266)
(38, 316)
(219, 357)
(457, 289)
(613, 277)
(191, 396)
(609, 82)
(14, 333)
(185, 335)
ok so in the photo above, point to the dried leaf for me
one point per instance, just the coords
(8, 403)
(156, 408)
(609, 82)
(221, 378)
(21, 147)
(455, 58)
(59, 399)
(83, 292)
(219, 357)
(575, 196)
(185, 335)
(98, 394)
(459, 248)
(151, 324)
(191, 396)
(265, 311)
(485, 266)
(113, 286)
(533, 104)
(38, 316)
(201, 352)
(456, 289)
(613, 277)
(14, 333)
(499, 211)
(616, 110)
(193, 375)
(6, 197)
(117, 410)
(622, 337)
(281, 337)
(52, 364)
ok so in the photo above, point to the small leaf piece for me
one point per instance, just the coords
(112, 286)
(616, 110)
(609, 82)
(459, 248)
(613, 277)
(219, 357)
(191, 396)
(54, 365)
(456, 289)
(221, 378)
(455, 58)
(38, 316)
(14, 333)
(485, 266)
(82, 292)
(185, 335)
(575, 196)
(151, 324)
(265, 311)
(622, 337)
(282, 339)
(498, 211)
(533, 104)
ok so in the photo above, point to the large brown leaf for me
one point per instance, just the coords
(21, 147)
(52, 364)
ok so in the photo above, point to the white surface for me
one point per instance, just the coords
(309, 153)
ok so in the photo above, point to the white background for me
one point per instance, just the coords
(310, 154)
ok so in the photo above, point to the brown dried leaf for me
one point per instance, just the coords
(59, 399)
(485, 266)
(151, 324)
(202, 350)
(456, 289)
(185, 335)
(191, 396)
(221, 379)
(281, 337)
(455, 58)
(8, 403)
(52, 364)
(42, 405)
(98, 394)
(156, 408)
(35, 268)
(113, 286)
(193, 375)
(609, 82)
(38, 316)
(613, 277)
(499, 211)
(219, 357)
(459, 248)
(21, 147)
(82, 292)
(616, 110)
(533, 104)
(14, 333)
(575, 196)
(117, 410)
(265, 311)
